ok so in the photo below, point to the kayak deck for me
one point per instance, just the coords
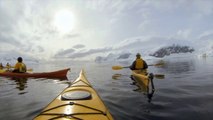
(77, 102)
(61, 74)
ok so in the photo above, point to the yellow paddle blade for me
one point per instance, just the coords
(117, 67)
(158, 64)
(30, 70)
(7, 67)
(2, 71)
(159, 76)
(116, 76)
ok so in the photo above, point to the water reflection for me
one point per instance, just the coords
(177, 67)
(21, 83)
(146, 90)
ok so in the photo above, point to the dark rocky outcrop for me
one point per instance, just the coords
(174, 49)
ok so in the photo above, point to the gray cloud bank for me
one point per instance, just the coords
(113, 28)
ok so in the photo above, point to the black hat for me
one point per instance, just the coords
(19, 59)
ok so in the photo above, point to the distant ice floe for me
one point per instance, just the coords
(205, 51)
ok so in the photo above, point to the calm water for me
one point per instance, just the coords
(185, 93)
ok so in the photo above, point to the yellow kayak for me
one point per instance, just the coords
(77, 102)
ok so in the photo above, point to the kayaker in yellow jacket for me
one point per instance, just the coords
(139, 63)
(20, 67)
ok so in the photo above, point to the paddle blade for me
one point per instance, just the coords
(117, 67)
(2, 71)
(159, 76)
(116, 76)
(158, 64)
(30, 70)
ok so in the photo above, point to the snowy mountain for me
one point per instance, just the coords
(174, 49)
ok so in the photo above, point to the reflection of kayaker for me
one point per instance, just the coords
(20, 67)
(21, 83)
(145, 82)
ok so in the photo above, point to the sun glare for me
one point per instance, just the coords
(64, 21)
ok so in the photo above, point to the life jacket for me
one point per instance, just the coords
(139, 64)
(21, 67)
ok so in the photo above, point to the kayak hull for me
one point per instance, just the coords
(86, 105)
(60, 74)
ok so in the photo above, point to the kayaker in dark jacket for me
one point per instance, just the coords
(8, 67)
(20, 67)
(1, 66)
(139, 63)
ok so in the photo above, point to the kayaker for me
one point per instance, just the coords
(138, 66)
(1, 66)
(139, 63)
(8, 67)
(20, 67)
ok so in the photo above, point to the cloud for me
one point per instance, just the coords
(64, 53)
(141, 44)
(8, 40)
(81, 54)
(207, 35)
(130, 46)
(204, 41)
(68, 36)
(10, 12)
(124, 56)
(39, 49)
(79, 46)
(118, 26)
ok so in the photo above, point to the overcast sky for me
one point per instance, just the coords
(85, 28)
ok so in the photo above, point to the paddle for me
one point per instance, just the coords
(158, 76)
(121, 67)
(29, 70)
